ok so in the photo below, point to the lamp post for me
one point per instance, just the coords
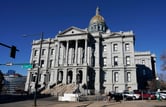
(158, 87)
(38, 69)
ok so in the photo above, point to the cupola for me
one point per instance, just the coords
(97, 23)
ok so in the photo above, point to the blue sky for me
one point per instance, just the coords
(147, 18)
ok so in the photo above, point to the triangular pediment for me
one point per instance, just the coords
(115, 35)
(71, 31)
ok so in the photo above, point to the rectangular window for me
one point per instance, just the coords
(104, 48)
(116, 77)
(115, 47)
(143, 62)
(33, 78)
(128, 76)
(127, 48)
(43, 51)
(34, 64)
(36, 52)
(52, 51)
(105, 61)
(42, 63)
(127, 60)
(115, 60)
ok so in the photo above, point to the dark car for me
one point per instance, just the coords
(117, 97)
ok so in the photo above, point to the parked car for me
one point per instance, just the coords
(117, 96)
(162, 95)
(146, 95)
(130, 95)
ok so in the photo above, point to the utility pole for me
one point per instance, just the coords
(38, 69)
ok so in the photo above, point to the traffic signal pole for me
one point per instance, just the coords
(13, 50)
(39, 66)
(38, 70)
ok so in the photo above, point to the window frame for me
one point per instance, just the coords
(43, 51)
(116, 76)
(104, 61)
(128, 62)
(42, 64)
(52, 51)
(36, 52)
(115, 60)
(104, 48)
(115, 47)
(127, 47)
(128, 76)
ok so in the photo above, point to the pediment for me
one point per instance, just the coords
(115, 35)
(71, 31)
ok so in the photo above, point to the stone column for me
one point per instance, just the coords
(51, 77)
(64, 76)
(63, 53)
(85, 54)
(76, 52)
(54, 57)
(97, 80)
(84, 75)
(55, 76)
(97, 65)
(67, 52)
(57, 56)
(74, 75)
(122, 61)
(97, 51)
(88, 56)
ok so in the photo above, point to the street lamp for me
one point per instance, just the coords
(158, 87)
(39, 66)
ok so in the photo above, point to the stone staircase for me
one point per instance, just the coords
(60, 89)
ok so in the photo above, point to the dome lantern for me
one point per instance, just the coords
(97, 23)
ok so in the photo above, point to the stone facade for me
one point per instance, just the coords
(95, 57)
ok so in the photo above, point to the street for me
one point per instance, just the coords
(51, 102)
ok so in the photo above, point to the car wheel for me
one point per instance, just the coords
(113, 98)
(125, 99)
(134, 98)
(149, 98)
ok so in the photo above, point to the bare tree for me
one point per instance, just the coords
(152, 85)
(163, 59)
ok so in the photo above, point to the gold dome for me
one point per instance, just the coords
(97, 18)
(97, 23)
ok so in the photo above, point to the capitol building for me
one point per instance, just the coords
(93, 59)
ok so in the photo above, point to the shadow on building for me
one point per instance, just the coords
(144, 74)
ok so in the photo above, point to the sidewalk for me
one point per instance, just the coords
(113, 104)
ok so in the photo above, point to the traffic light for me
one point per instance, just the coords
(13, 52)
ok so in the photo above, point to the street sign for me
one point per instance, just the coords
(27, 66)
